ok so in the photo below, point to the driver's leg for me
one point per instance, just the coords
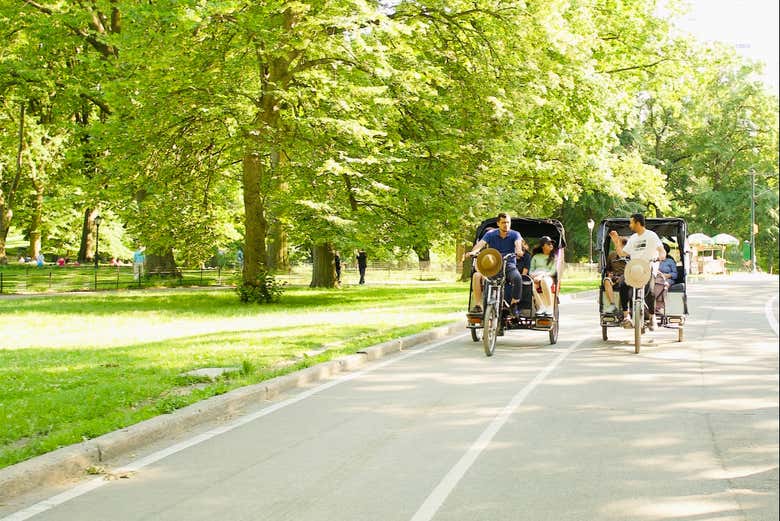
(476, 283)
(517, 284)
(625, 300)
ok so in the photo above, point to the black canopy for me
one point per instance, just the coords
(672, 229)
(529, 228)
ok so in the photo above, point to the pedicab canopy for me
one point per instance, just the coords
(672, 230)
(530, 229)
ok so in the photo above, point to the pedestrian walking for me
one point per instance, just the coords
(361, 262)
(138, 262)
(337, 263)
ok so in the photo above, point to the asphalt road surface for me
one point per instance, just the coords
(582, 430)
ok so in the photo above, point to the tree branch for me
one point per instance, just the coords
(634, 67)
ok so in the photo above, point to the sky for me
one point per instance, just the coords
(751, 26)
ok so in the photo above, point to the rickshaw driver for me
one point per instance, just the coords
(643, 244)
(506, 241)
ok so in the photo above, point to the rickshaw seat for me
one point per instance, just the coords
(679, 286)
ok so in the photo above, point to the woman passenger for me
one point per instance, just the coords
(543, 269)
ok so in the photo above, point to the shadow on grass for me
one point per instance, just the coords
(225, 302)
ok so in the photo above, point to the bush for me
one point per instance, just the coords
(267, 290)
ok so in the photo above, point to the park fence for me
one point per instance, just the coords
(33, 279)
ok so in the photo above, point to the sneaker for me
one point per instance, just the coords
(542, 311)
(627, 324)
(610, 308)
(476, 309)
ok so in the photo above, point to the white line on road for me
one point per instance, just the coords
(770, 317)
(436, 499)
(93, 484)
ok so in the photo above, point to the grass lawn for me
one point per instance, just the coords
(77, 366)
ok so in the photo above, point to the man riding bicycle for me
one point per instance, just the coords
(506, 241)
(643, 244)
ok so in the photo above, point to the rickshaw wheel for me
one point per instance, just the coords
(475, 334)
(554, 330)
(491, 330)
(680, 335)
(638, 327)
(604, 333)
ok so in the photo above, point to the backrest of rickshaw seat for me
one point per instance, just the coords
(679, 285)
(526, 296)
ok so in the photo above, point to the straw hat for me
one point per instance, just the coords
(637, 273)
(489, 262)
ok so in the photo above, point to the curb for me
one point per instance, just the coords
(72, 462)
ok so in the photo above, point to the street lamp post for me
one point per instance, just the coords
(590, 242)
(97, 238)
(753, 221)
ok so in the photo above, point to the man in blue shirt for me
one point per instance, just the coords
(506, 241)
(138, 262)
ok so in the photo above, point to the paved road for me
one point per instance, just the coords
(583, 430)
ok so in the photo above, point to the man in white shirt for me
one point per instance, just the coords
(643, 244)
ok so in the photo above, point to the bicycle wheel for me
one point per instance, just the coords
(490, 334)
(475, 334)
(639, 320)
(554, 330)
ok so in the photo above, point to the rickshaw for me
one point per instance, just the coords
(497, 316)
(644, 315)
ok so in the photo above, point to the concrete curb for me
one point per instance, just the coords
(72, 462)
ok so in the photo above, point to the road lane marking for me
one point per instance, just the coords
(93, 484)
(436, 499)
(770, 317)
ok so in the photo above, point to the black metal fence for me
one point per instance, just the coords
(33, 279)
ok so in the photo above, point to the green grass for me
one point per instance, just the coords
(77, 366)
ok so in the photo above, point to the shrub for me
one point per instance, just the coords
(267, 289)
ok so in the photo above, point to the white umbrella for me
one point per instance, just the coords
(725, 238)
(700, 238)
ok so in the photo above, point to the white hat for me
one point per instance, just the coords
(637, 273)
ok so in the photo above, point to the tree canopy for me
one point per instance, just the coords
(390, 125)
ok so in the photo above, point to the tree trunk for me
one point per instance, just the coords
(464, 264)
(87, 248)
(254, 218)
(262, 156)
(37, 217)
(278, 248)
(423, 257)
(160, 261)
(460, 251)
(323, 273)
(8, 193)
